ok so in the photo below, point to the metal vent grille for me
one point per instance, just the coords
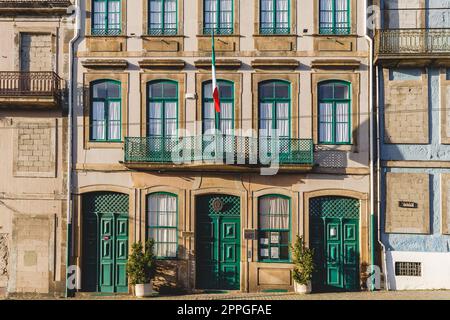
(106, 202)
(230, 205)
(411, 269)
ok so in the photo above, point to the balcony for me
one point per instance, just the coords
(15, 7)
(31, 89)
(218, 152)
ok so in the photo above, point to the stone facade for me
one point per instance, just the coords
(407, 187)
(36, 52)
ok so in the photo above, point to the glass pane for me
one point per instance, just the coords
(209, 110)
(341, 91)
(156, 90)
(171, 110)
(170, 90)
(326, 91)
(163, 206)
(265, 110)
(225, 90)
(274, 213)
(113, 90)
(207, 90)
(99, 90)
(155, 110)
(281, 90)
(266, 90)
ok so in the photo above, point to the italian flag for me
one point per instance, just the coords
(215, 88)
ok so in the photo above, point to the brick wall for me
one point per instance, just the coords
(406, 111)
(408, 187)
(35, 149)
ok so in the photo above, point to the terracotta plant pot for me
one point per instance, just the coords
(144, 290)
(301, 288)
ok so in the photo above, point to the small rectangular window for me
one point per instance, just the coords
(334, 17)
(410, 269)
(405, 74)
(218, 16)
(106, 17)
(274, 17)
(162, 17)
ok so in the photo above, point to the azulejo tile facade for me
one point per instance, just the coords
(115, 139)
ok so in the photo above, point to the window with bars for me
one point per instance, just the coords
(162, 223)
(334, 17)
(106, 114)
(218, 17)
(162, 17)
(411, 269)
(274, 17)
(335, 113)
(106, 17)
(274, 212)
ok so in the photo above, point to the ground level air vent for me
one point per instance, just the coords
(411, 269)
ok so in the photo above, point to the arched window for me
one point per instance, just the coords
(274, 109)
(223, 120)
(106, 17)
(334, 16)
(106, 114)
(334, 112)
(274, 212)
(162, 223)
(162, 17)
(218, 16)
(274, 16)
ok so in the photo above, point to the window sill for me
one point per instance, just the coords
(274, 35)
(104, 145)
(331, 147)
(106, 36)
(331, 35)
(145, 36)
(218, 35)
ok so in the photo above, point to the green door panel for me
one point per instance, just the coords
(105, 244)
(334, 236)
(218, 243)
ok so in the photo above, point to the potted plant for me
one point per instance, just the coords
(141, 268)
(303, 266)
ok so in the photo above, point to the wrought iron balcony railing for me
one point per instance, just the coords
(31, 84)
(228, 149)
(413, 41)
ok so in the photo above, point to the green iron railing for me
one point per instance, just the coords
(229, 149)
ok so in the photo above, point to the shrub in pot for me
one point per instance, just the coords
(141, 268)
(303, 266)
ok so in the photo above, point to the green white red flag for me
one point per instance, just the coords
(215, 88)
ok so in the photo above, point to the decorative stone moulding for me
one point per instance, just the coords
(158, 64)
(278, 64)
(230, 64)
(104, 64)
(335, 64)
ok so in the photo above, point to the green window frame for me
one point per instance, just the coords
(218, 15)
(159, 227)
(334, 17)
(335, 110)
(274, 17)
(163, 93)
(105, 111)
(106, 17)
(162, 17)
(218, 119)
(274, 241)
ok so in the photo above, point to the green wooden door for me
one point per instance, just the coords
(218, 242)
(334, 234)
(105, 245)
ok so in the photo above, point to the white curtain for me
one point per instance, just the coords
(162, 220)
(155, 116)
(114, 14)
(282, 13)
(114, 121)
(273, 213)
(326, 13)
(99, 14)
(283, 119)
(226, 13)
(209, 122)
(326, 122)
(267, 13)
(171, 119)
(210, 13)
(226, 118)
(98, 121)
(170, 13)
(265, 119)
(155, 13)
(342, 123)
(341, 13)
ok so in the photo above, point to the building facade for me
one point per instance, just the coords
(34, 64)
(293, 82)
(413, 87)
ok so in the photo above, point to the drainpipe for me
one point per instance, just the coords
(371, 144)
(69, 140)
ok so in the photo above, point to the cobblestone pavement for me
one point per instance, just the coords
(381, 295)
